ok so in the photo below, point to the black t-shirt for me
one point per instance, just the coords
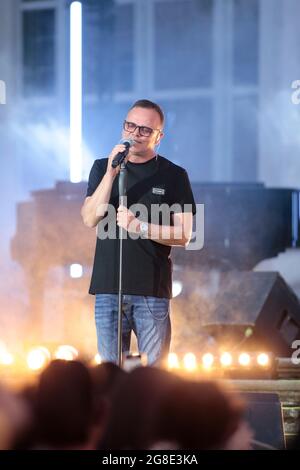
(147, 267)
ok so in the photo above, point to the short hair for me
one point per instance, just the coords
(64, 403)
(147, 104)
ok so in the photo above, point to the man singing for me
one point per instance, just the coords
(160, 187)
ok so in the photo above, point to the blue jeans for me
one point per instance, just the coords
(147, 316)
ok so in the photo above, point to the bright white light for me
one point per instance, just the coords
(173, 362)
(6, 358)
(207, 360)
(75, 92)
(189, 361)
(244, 359)
(176, 288)
(226, 359)
(76, 270)
(263, 359)
(38, 357)
(66, 353)
(97, 359)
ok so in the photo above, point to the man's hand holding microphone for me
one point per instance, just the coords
(118, 154)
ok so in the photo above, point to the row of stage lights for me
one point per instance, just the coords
(224, 360)
(38, 357)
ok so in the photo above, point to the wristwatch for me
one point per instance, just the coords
(144, 227)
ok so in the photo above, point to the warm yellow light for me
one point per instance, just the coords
(173, 362)
(97, 359)
(207, 360)
(244, 359)
(263, 359)
(66, 353)
(189, 362)
(38, 357)
(6, 358)
(226, 359)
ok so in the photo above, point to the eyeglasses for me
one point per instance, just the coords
(143, 130)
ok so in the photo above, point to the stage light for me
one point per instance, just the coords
(244, 359)
(263, 360)
(97, 359)
(226, 359)
(66, 353)
(38, 357)
(6, 358)
(207, 360)
(75, 92)
(173, 362)
(189, 362)
(176, 288)
(76, 270)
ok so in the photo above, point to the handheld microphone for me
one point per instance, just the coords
(120, 157)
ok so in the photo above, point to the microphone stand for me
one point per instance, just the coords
(122, 201)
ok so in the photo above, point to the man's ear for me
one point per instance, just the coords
(159, 137)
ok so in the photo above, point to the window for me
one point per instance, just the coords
(108, 53)
(38, 52)
(188, 135)
(245, 42)
(245, 92)
(245, 138)
(197, 58)
(183, 44)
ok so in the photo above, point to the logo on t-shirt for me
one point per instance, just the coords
(160, 191)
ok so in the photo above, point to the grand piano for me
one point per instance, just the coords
(244, 224)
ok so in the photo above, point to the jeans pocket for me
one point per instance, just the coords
(158, 307)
